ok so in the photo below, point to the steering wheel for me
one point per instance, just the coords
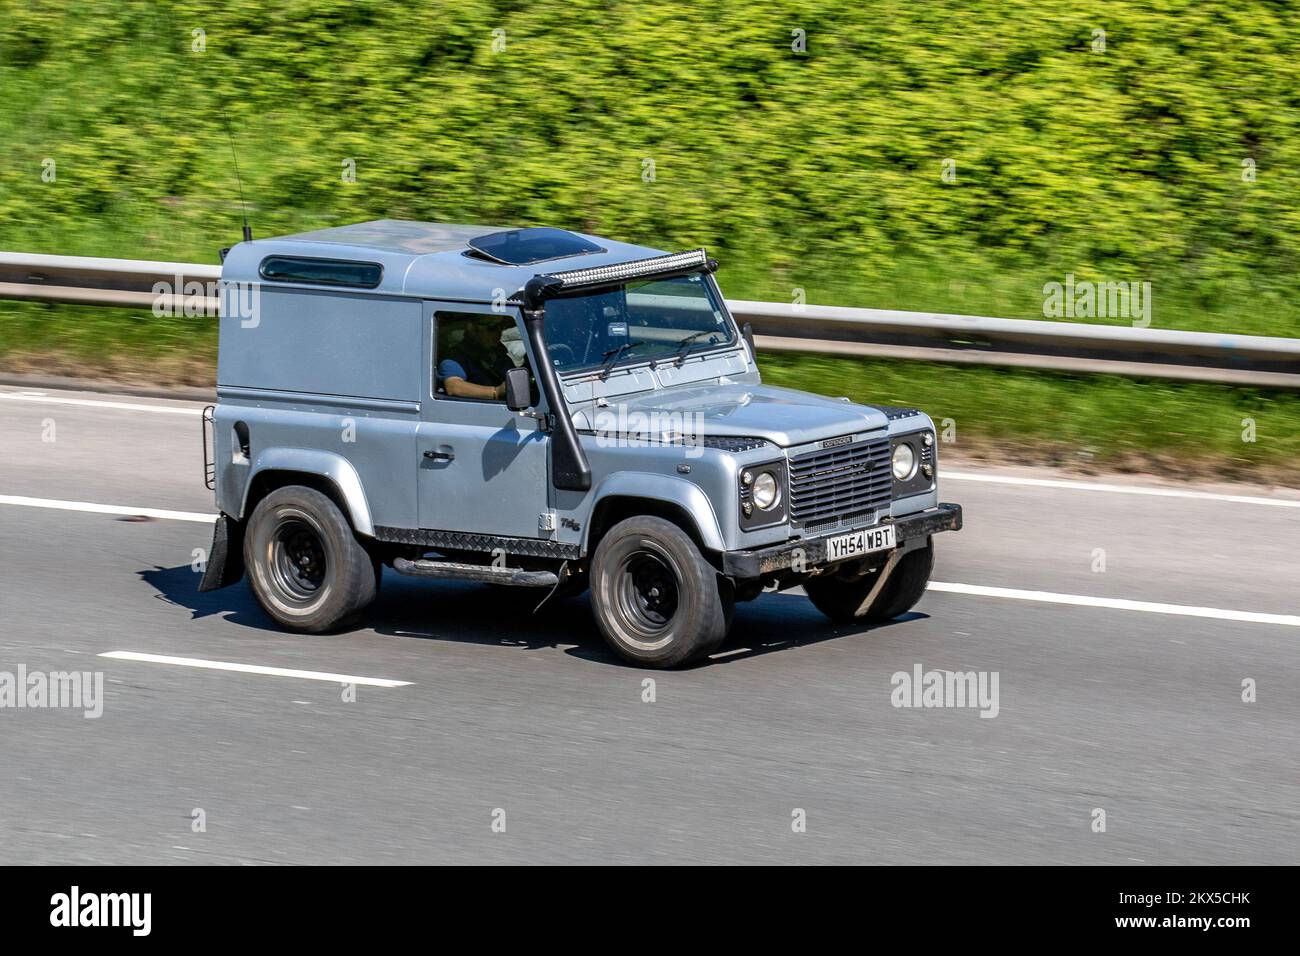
(558, 347)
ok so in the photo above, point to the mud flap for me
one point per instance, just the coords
(561, 578)
(225, 563)
(885, 573)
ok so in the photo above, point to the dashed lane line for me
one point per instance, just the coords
(254, 669)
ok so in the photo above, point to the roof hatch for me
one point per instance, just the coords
(522, 247)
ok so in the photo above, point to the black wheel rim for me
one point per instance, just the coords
(298, 561)
(648, 593)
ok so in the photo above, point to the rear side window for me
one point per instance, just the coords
(361, 275)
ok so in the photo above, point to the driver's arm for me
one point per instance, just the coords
(460, 388)
(457, 384)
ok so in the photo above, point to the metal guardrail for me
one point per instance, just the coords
(1255, 360)
(128, 283)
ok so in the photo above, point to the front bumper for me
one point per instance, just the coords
(759, 562)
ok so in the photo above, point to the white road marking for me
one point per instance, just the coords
(95, 508)
(255, 669)
(97, 403)
(945, 475)
(1119, 604)
(1050, 597)
(959, 475)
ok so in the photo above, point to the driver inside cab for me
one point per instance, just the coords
(476, 367)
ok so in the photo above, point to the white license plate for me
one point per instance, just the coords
(860, 542)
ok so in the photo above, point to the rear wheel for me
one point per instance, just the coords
(842, 599)
(307, 569)
(657, 602)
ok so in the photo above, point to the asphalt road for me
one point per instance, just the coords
(1136, 710)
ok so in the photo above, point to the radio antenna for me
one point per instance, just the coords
(248, 231)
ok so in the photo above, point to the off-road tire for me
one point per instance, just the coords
(305, 565)
(655, 598)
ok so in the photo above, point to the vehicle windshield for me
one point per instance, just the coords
(655, 320)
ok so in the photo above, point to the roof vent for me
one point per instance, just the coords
(522, 247)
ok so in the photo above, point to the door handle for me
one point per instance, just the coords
(440, 455)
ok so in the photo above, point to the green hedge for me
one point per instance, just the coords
(820, 170)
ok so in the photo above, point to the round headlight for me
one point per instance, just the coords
(904, 461)
(766, 491)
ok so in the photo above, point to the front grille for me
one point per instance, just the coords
(846, 521)
(896, 412)
(848, 480)
(734, 443)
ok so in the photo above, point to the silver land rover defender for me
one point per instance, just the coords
(543, 409)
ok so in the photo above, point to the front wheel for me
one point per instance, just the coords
(657, 602)
(306, 567)
(845, 600)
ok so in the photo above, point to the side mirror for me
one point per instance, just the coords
(519, 389)
(747, 331)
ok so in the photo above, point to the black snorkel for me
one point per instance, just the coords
(570, 470)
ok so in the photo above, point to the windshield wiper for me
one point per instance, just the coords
(611, 356)
(684, 345)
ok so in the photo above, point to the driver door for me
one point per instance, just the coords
(483, 468)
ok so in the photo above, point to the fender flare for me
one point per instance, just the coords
(685, 494)
(326, 464)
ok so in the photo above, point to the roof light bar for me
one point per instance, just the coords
(623, 271)
(674, 264)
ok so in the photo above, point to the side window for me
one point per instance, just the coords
(311, 271)
(471, 353)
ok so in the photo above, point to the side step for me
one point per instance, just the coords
(475, 572)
